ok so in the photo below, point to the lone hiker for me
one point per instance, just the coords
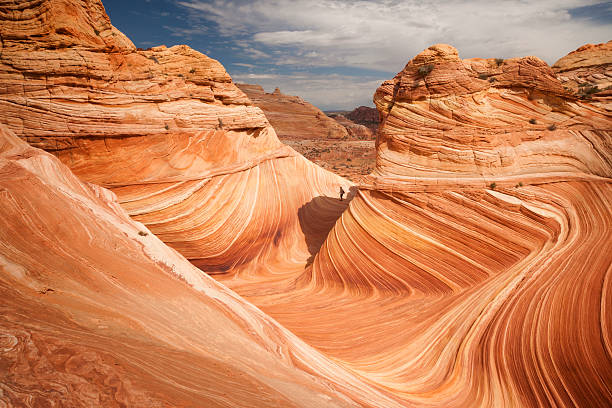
(342, 193)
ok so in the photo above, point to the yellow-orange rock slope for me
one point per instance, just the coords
(292, 117)
(473, 268)
(165, 129)
(98, 312)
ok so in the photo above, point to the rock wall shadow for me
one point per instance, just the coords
(318, 216)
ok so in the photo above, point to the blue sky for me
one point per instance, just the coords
(335, 53)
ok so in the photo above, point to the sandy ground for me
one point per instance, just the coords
(350, 158)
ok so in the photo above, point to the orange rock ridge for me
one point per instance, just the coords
(292, 117)
(588, 66)
(165, 129)
(97, 311)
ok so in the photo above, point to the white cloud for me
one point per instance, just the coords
(385, 34)
(241, 64)
(326, 92)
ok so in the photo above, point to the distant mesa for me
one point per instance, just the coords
(362, 115)
(292, 117)
(337, 144)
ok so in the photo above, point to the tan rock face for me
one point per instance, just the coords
(163, 128)
(355, 131)
(443, 117)
(97, 311)
(587, 71)
(471, 270)
(292, 117)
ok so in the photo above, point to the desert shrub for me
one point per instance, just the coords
(532, 121)
(483, 76)
(166, 126)
(586, 91)
(192, 71)
(143, 233)
(492, 79)
(552, 127)
(96, 31)
(492, 186)
(520, 184)
(425, 70)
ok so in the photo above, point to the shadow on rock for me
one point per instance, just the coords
(318, 216)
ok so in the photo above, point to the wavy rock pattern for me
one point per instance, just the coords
(448, 293)
(97, 311)
(165, 129)
(429, 290)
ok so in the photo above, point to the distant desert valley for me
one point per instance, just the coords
(170, 237)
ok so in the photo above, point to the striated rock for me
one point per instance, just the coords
(365, 116)
(444, 118)
(355, 131)
(292, 117)
(587, 71)
(471, 269)
(97, 311)
(165, 129)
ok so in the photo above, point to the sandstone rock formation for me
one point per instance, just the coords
(473, 267)
(165, 129)
(355, 130)
(340, 146)
(97, 311)
(292, 117)
(365, 116)
(445, 119)
(587, 71)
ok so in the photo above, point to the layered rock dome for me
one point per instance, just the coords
(485, 120)
(165, 129)
(589, 66)
(97, 311)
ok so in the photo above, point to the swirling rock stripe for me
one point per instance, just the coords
(505, 305)
(242, 222)
(97, 311)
